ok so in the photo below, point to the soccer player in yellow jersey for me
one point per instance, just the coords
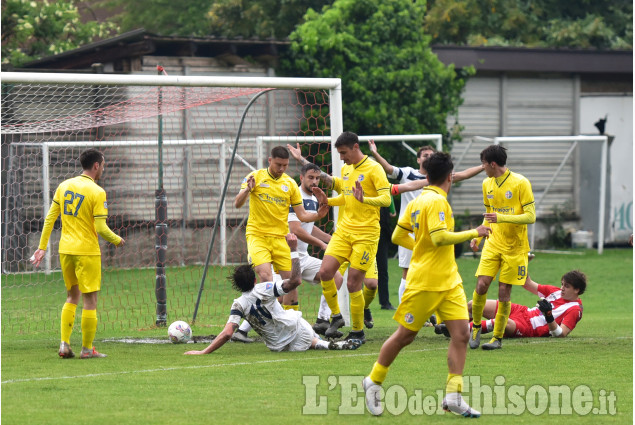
(82, 204)
(433, 284)
(364, 188)
(509, 208)
(271, 192)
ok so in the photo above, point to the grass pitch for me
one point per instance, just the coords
(155, 383)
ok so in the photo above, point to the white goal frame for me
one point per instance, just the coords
(604, 140)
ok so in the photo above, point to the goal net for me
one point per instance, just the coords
(156, 132)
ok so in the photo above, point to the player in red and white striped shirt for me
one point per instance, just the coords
(556, 314)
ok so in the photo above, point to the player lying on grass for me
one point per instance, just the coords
(281, 330)
(557, 312)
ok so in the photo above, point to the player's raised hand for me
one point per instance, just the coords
(292, 241)
(372, 146)
(295, 152)
(544, 306)
(358, 191)
(323, 209)
(483, 231)
(320, 195)
(37, 257)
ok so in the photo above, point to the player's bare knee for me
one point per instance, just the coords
(370, 283)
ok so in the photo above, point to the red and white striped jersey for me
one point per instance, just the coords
(567, 313)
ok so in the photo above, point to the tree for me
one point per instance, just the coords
(259, 18)
(540, 23)
(34, 29)
(163, 17)
(392, 82)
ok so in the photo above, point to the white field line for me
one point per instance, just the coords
(162, 369)
(300, 358)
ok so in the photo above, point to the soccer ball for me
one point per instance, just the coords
(179, 332)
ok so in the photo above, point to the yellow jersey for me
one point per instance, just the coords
(80, 201)
(357, 217)
(269, 203)
(508, 194)
(432, 268)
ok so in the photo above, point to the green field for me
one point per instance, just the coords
(154, 383)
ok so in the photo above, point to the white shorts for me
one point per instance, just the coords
(310, 266)
(304, 337)
(405, 255)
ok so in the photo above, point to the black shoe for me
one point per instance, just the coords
(388, 307)
(336, 322)
(441, 330)
(356, 335)
(433, 320)
(321, 326)
(368, 319)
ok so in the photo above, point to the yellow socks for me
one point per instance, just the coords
(500, 321)
(67, 322)
(330, 294)
(378, 374)
(89, 327)
(369, 295)
(478, 304)
(294, 306)
(357, 310)
(454, 383)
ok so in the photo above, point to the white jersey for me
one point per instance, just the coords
(260, 307)
(310, 205)
(405, 175)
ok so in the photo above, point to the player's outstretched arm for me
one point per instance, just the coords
(445, 237)
(296, 228)
(304, 215)
(467, 173)
(389, 169)
(218, 342)
(531, 286)
(296, 153)
(396, 189)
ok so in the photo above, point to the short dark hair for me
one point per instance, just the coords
(243, 278)
(577, 279)
(309, 166)
(494, 153)
(348, 139)
(439, 165)
(280, 152)
(425, 148)
(89, 157)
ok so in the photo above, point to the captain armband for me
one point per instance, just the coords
(394, 189)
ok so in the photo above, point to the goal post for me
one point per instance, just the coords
(552, 165)
(48, 119)
(574, 140)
